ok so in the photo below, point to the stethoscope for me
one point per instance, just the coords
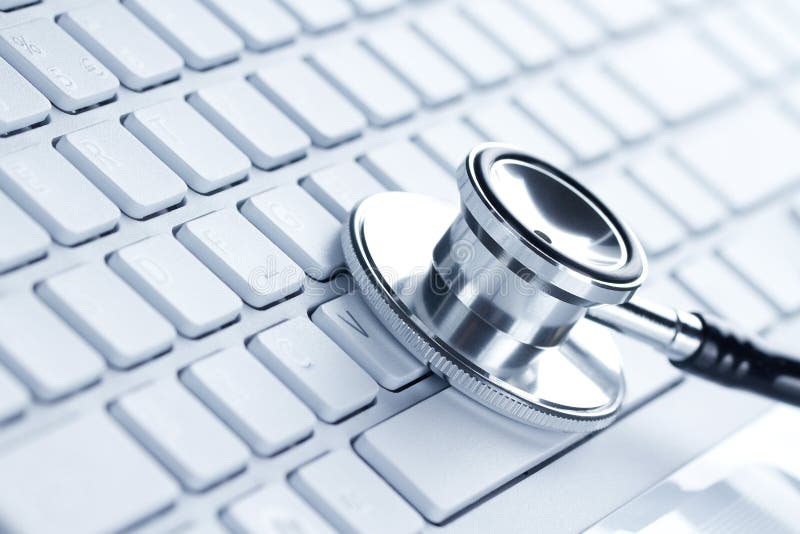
(507, 298)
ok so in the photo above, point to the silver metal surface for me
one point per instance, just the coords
(577, 386)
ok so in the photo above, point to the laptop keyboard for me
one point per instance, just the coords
(177, 350)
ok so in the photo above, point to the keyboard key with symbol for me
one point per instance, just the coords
(262, 24)
(109, 314)
(348, 322)
(274, 509)
(185, 141)
(249, 398)
(58, 196)
(252, 122)
(341, 187)
(122, 168)
(196, 446)
(324, 113)
(352, 497)
(138, 57)
(85, 475)
(434, 78)
(191, 29)
(300, 226)
(63, 70)
(21, 105)
(472, 51)
(314, 368)
(177, 284)
(257, 270)
(320, 15)
(21, 239)
(43, 351)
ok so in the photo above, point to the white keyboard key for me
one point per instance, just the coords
(42, 351)
(254, 403)
(449, 142)
(612, 104)
(515, 33)
(84, 476)
(14, 398)
(434, 78)
(252, 122)
(272, 510)
(655, 227)
(373, 7)
(186, 142)
(374, 89)
(730, 30)
(698, 208)
(320, 15)
(196, 446)
(311, 102)
(21, 105)
(58, 66)
(262, 24)
(747, 154)
(300, 226)
(348, 322)
(726, 293)
(576, 128)
(403, 166)
(504, 123)
(768, 256)
(21, 238)
(775, 28)
(191, 29)
(474, 53)
(109, 314)
(675, 73)
(123, 43)
(353, 497)
(571, 26)
(177, 285)
(341, 187)
(258, 271)
(56, 194)
(314, 368)
(622, 17)
(122, 168)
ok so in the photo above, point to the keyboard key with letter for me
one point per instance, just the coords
(85, 476)
(186, 142)
(675, 73)
(326, 115)
(21, 238)
(109, 314)
(43, 351)
(262, 24)
(122, 168)
(252, 122)
(258, 271)
(254, 403)
(341, 187)
(123, 43)
(314, 368)
(274, 509)
(56, 194)
(373, 88)
(348, 322)
(300, 226)
(352, 497)
(21, 105)
(177, 284)
(196, 446)
(58, 66)
(191, 29)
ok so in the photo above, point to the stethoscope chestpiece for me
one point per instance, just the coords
(492, 297)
